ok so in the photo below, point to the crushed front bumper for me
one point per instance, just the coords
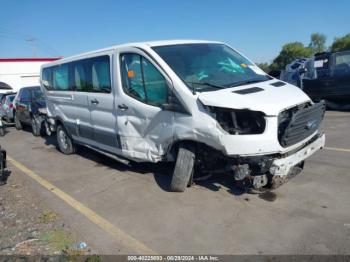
(283, 166)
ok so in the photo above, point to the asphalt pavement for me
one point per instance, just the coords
(121, 209)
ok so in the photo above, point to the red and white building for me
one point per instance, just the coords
(16, 73)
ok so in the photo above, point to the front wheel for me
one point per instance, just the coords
(184, 168)
(18, 123)
(65, 143)
(36, 127)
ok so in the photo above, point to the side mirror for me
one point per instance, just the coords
(174, 104)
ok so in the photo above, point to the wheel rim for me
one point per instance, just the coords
(34, 124)
(63, 139)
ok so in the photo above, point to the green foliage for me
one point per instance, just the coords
(294, 50)
(290, 52)
(318, 42)
(341, 44)
(57, 239)
(264, 66)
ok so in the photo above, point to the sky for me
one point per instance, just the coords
(256, 28)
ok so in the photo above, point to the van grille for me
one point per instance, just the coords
(299, 122)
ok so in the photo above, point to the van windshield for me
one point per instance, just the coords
(206, 67)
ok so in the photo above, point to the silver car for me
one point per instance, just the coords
(6, 107)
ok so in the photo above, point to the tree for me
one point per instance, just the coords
(318, 42)
(290, 52)
(264, 66)
(341, 43)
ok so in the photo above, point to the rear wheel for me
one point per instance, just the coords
(65, 143)
(184, 168)
(18, 123)
(36, 127)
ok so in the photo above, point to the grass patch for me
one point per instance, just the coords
(47, 217)
(57, 239)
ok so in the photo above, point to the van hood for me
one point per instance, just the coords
(263, 97)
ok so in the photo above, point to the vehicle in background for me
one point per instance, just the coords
(3, 165)
(27, 104)
(333, 80)
(6, 107)
(199, 103)
(326, 76)
(2, 127)
(301, 68)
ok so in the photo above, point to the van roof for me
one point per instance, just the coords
(134, 44)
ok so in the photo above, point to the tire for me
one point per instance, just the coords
(184, 168)
(18, 123)
(36, 128)
(2, 131)
(65, 143)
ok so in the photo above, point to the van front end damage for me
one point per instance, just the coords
(258, 173)
(262, 151)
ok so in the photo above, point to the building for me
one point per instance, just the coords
(20, 72)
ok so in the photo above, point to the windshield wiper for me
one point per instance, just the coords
(205, 84)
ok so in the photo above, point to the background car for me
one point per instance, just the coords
(333, 80)
(26, 108)
(326, 76)
(6, 107)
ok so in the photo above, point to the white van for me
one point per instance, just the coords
(199, 103)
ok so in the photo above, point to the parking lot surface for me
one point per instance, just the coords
(308, 215)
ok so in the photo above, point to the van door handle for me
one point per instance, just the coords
(94, 101)
(123, 107)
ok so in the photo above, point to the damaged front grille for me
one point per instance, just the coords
(297, 123)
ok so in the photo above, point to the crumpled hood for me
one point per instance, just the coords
(270, 100)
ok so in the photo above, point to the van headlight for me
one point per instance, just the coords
(239, 121)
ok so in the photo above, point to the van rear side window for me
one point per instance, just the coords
(60, 77)
(46, 79)
(86, 75)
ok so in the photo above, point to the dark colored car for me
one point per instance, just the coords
(26, 108)
(333, 79)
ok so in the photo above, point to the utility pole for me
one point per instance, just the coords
(31, 41)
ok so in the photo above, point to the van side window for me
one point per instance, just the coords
(100, 74)
(60, 78)
(142, 81)
(47, 78)
(91, 75)
(80, 79)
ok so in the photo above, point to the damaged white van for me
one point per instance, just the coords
(199, 103)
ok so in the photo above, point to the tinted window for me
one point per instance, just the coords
(60, 77)
(100, 75)
(25, 95)
(141, 80)
(37, 94)
(92, 75)
(46, 78)
(10, 98)
(80, 76)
